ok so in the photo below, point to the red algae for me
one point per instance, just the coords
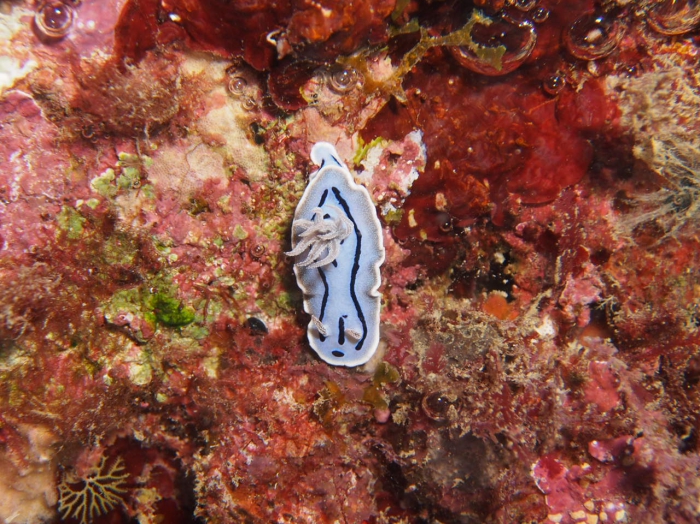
(533, 165)
(257, 31)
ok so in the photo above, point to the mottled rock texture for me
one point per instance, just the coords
(535, 170)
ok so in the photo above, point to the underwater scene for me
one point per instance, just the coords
(349, 261)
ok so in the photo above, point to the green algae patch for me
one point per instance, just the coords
(130, 178)
(138, 311)
(128, 310)
(104, 184)
(284, 301)
(70, 222)
(239, 232)
(149, 191)
(364, 148)
(170, 311)
(126, 175)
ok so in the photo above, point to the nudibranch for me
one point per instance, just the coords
(337, 242)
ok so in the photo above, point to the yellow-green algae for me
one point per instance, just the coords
(70, 222)
(171, 311)
(460, 38)
(104, 184)
(159, 307)
(127, 174)
(364, 147)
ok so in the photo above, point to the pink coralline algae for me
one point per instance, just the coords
(533, 165)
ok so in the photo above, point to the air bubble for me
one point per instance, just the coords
(344, 80)
(88, 131)
(53, 19)
(540, 15)
(444, 222)
(518, 40)
(437, 405)
(675, 17)
(237, 85)
(257, 251)
(249, 104)
(594, 36)
(554, 84)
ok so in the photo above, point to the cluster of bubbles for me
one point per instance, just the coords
(239, 87)
(341, 79)
(554, 84)
(54, 18)
(593, 36)
(596, 35)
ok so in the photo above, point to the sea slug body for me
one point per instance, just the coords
(337, 242)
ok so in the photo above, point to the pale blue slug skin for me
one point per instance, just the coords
(342, 294)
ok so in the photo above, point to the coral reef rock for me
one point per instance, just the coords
(534, 167)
